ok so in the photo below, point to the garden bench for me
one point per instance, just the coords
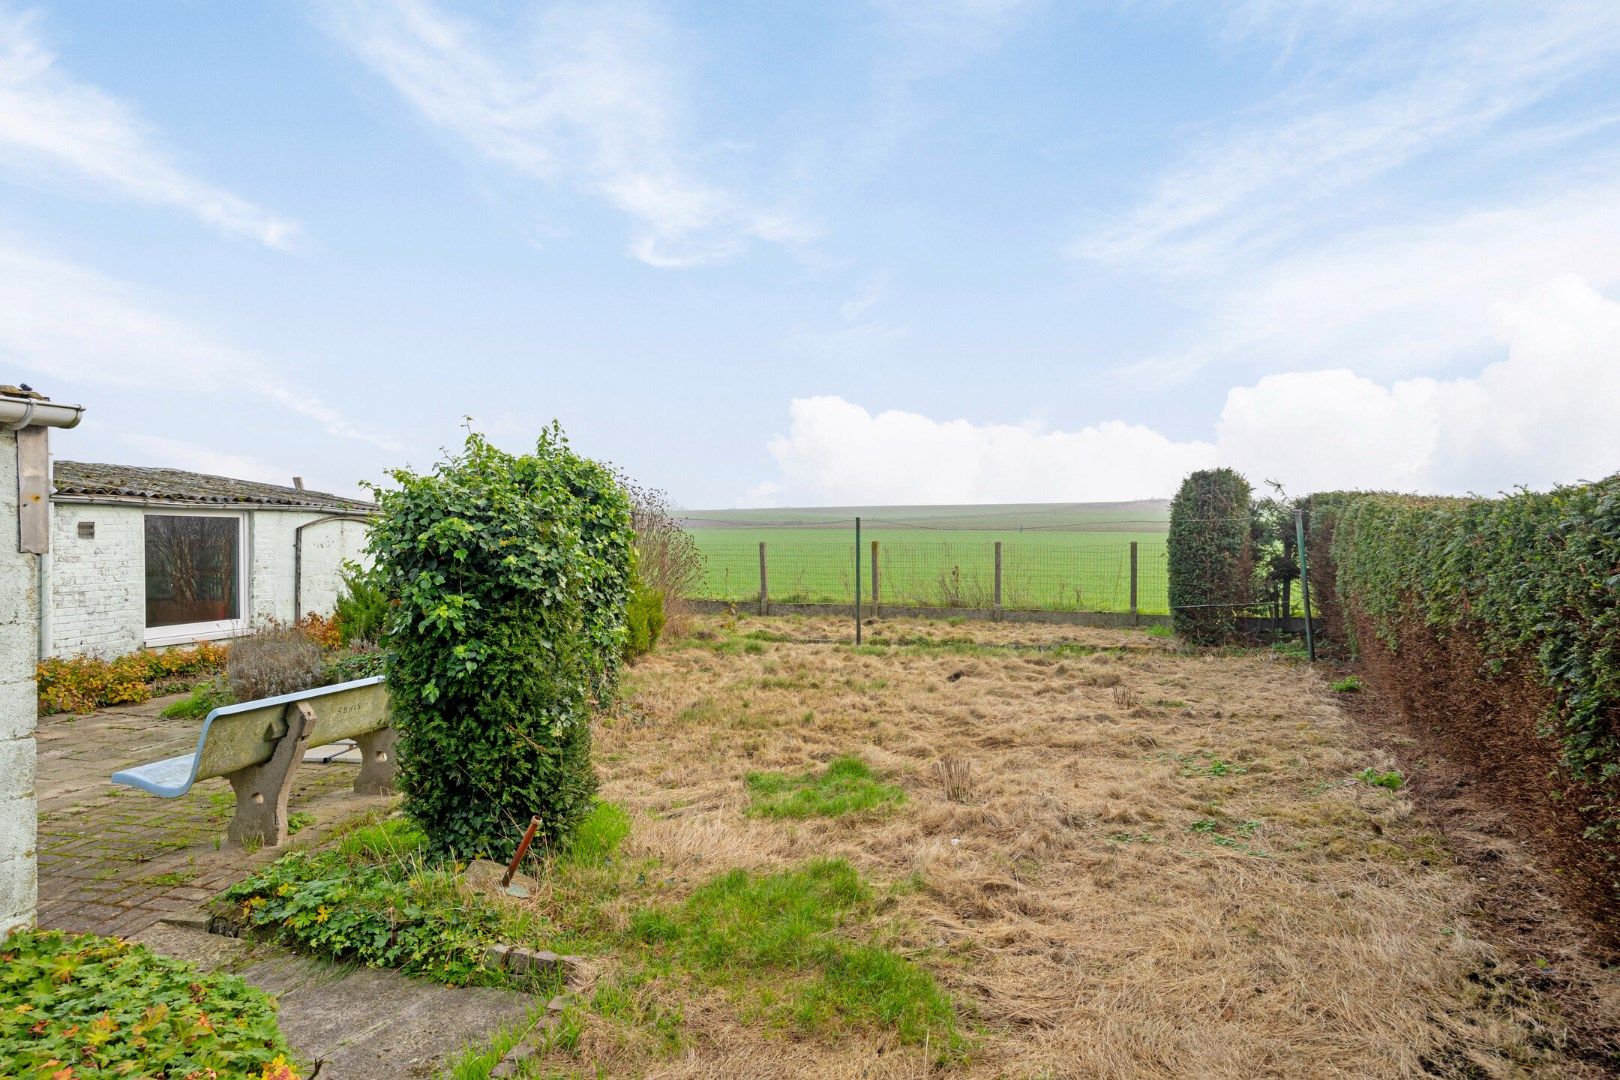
(257, 746)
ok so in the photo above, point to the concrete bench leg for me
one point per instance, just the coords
(376, 763)
(262, 790)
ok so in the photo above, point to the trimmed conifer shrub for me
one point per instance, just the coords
(1211, 559)
(511, 574)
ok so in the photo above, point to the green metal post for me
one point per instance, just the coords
(1304, 582)
(857, 581)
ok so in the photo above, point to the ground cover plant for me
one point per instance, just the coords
(1126, 888)
(511, 575)
(75, 1006)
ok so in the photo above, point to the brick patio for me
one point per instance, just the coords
(113, 860)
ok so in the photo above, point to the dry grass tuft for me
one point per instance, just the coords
(1197, 891)
(956, 777)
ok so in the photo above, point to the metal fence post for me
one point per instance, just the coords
(1304, 582)
(1135, 619)
(875, 600)
(998, 579)
(764, 592)
(857, 581)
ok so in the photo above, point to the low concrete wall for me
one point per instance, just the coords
(19, 644)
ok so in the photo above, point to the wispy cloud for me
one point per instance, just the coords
(55, 127)
(587, 96)
(65, 322)
(1267, 176)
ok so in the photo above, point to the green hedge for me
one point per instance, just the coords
(1211, 558)
(511, 575)
(1527, 575)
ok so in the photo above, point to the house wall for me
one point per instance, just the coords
(19, 621)
(98, 587)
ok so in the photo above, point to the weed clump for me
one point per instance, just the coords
(274, 660)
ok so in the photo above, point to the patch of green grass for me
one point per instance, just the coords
(598, 835)
(1350, 684)
(390, 840)
(477, 1062)
(171, 877)
(204, 698)
(1291, 649)
(1391, 780)
(1161, 631)
(1207, 764)
(845, 786)
(791, 926)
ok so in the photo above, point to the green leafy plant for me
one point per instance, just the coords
(1350, 684)
(83, 684)
(344, 905)
(84, 1006)
(645, 616)
(362, 607)
(845, 786)
(512, 574)
(1210, 556)
(1392, 780)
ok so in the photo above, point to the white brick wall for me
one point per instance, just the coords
(98, 585)
(19, 644)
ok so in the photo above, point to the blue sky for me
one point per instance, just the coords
(966, 250)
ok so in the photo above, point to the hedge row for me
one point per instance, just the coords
(1528, 577)
(1211, 555)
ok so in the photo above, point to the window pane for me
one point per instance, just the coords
(191, 569)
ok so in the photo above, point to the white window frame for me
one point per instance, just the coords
(185, 633)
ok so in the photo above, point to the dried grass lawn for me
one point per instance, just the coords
(1163, 864)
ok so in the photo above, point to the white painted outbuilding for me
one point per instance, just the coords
(145, 557)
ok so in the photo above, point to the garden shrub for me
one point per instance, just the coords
(1210, 554)
(274, 660)
(644, 616)
(83, 1006)
(1532, 575)
(361, 610)
(511, 574)
(83, 684)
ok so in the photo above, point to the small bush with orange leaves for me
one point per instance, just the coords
(322, 630)
(82, 684)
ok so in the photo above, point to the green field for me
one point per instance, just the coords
(1054, 556)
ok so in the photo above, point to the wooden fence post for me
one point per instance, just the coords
(1135, 619)
(874, 577)
(764, 593)
(998, 579)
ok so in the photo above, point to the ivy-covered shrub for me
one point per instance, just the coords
(510, 574)
(1530, 575)
(85, 1006)
(645, 617)
(1211, 561)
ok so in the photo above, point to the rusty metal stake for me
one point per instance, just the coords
(522, 850)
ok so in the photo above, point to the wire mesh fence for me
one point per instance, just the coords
(1090, 567)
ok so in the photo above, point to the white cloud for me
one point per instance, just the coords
(588, 98)
(59, 129)
(68, 323)
(838, 453)
(1547, 412)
